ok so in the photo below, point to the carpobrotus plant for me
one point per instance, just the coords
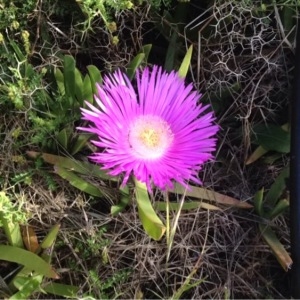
(159, 132)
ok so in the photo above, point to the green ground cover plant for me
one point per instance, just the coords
(69, 230)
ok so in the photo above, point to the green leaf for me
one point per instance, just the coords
(171, 34)
(182, 72)
(46, 244)
(20, 55)
(205, 194)
(80, 142)
(26, 286)
(288, 20)
(50, 238)
(176, 23)
(161, 206)
(64, 290)
(258, 202)
(28, 259)
(146, 50)
(69, 76)
(281, 254)
(78, 182)
(10, 226)
(171, 52)
(29, 71)
(273, 137)
(87, 90)
(134, 64)
(78, 87)
(60, 81)
(277, 187)
(280, 207)
(125, 199)
(151, 222)
(258, 153)
(63, 138)
(72, 164)
(95, 77)
(185, 287)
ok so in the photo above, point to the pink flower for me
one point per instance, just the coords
(159, 134)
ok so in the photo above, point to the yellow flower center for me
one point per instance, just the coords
(150, 136)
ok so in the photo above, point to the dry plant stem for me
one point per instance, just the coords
(167, 225)
(171, 234)
(186, 283)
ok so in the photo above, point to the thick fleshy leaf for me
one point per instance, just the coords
(10, 226)
(152, 224)
(17, 50)
(258, 202)
(59, 76)
(63, 138)
(80, 142)
(186, 63)
(171, 53)
(95, 77)
(186, 286)
(205, 194)
(161, 206)
(28, 259)
(258, 153)
(78, 86)
(87, 90)
(64, 290)
(26, 286)
(279, 208)
(281, 254)
(45, 255)
(146, 50)
(78, 182)
(69, 76)
(134, 64)
(287, 15)
(72, 164)
(273, 137)
(50, 238)
(124, 201)
(277, 187)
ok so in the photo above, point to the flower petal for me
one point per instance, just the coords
(159, 96)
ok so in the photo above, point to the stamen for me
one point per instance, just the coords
(150, 136)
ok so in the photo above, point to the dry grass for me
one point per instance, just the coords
(234, 261)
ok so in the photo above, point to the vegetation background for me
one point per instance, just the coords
(60, 231)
